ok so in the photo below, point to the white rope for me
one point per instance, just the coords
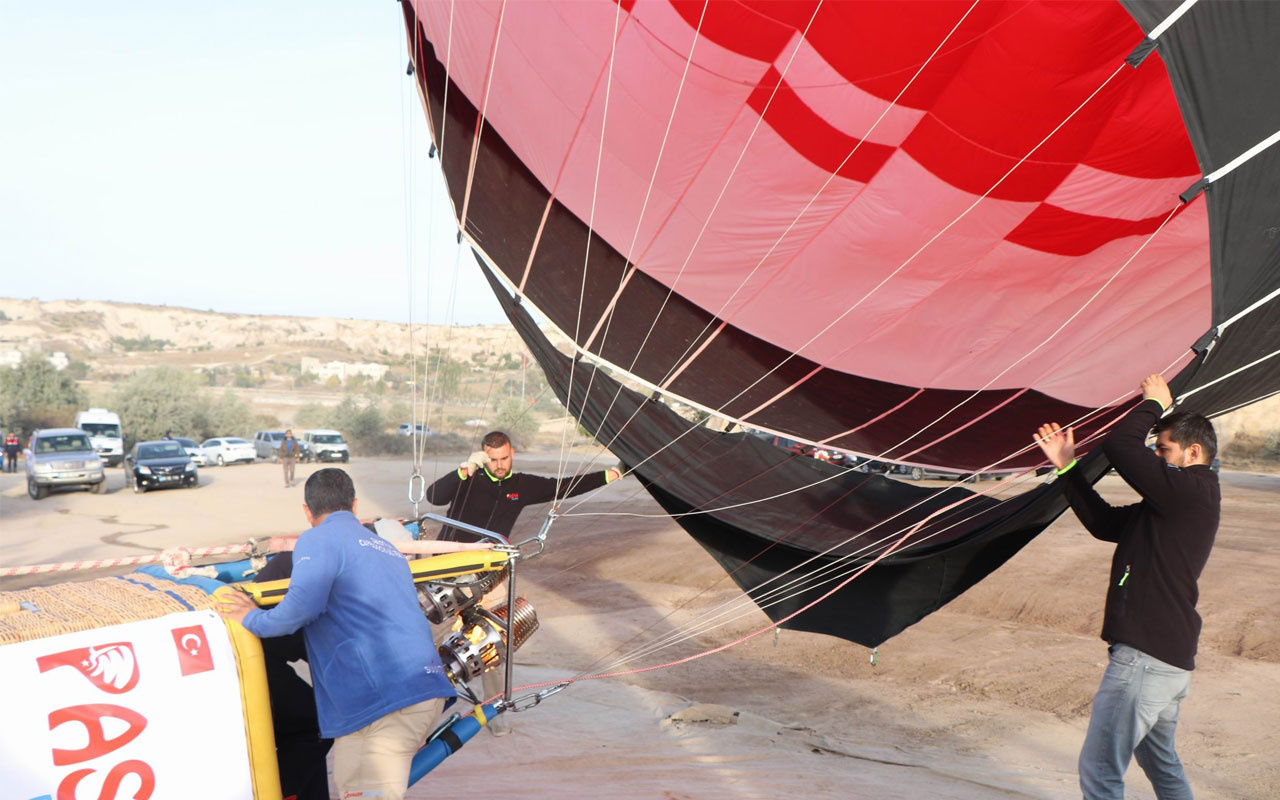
(1243, 157)
(676, 370)
(1159, 30)
(1233, 372)
(943, 416)
(644, 205)
(586, 255)
(746, 604)
(484, 105)
(746, 597)
(1246, 403)
(609, 313)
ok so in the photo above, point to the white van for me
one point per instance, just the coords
(104, 432)
(326, 445)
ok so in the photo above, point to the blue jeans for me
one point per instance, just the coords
(1135, 713)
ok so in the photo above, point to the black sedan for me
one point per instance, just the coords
(153, 465)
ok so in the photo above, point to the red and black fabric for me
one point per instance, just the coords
(908, 230)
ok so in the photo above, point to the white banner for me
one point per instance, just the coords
(147, 710)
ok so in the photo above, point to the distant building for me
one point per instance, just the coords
(342, 370)
(13, 359)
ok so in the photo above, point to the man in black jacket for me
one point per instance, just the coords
(487, 492)
(1150, 622)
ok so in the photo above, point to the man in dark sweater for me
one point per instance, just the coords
(487, 492)
(1150, 623)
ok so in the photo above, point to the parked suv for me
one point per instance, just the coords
(60, 457)
(266, 444)
(326, 445)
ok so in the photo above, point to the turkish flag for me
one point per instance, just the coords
(193, 650)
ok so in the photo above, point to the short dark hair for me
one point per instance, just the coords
(329, 490)
(495, 439)
(1186, 429)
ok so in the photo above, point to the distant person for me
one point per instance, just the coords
(1150, 622)
(485, 491)
(288, 457)
(12, 446)
(167, 436)
(379, 683)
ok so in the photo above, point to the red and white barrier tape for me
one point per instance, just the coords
(178, 559)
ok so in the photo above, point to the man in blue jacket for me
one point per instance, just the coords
(378, 680)
(1150, 622)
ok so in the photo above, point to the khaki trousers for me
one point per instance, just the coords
(374, 761)
(288, 462)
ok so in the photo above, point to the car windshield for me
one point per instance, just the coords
(160, 450)
(100, 428)
(66, 443)
(327, 438)
(275, 436)
(234, 441)
(186, 442)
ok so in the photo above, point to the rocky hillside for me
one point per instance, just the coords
(93, 331)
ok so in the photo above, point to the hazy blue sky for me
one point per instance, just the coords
(238, 156)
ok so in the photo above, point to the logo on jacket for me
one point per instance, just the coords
(111, 667)
(513, 496)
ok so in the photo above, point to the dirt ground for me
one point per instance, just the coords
(987, 698)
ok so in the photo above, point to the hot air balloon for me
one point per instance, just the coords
(906, 231)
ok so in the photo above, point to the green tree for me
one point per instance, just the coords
(517, 420)
(35, 395)
(156, 400)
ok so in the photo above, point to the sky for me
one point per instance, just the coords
(249, 157)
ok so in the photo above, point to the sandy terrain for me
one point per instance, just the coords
(987, 698)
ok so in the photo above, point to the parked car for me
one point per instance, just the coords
(326, 445)
(57, 458)
(194, 450)
(228, 450)
(406, 429)
(266, 444)
(155, 465)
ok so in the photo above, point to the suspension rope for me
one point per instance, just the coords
(644, 205)
(608, 315)
(586, 250)
(677, 368)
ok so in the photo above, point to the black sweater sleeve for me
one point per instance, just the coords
(540, 489)
(1103, 520)
(444, 489)
(1148, 474)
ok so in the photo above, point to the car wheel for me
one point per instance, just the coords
(138, 488)
(346, 457)
(916, 473)
(221, 461)
(37, 491)
(275, 456)
(100, 487)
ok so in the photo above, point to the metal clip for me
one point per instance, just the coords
(530, 700)
(415, 497)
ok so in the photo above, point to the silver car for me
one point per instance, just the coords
(62, 457)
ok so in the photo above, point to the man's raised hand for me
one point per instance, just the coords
(1154, 387)
(1059, 445)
